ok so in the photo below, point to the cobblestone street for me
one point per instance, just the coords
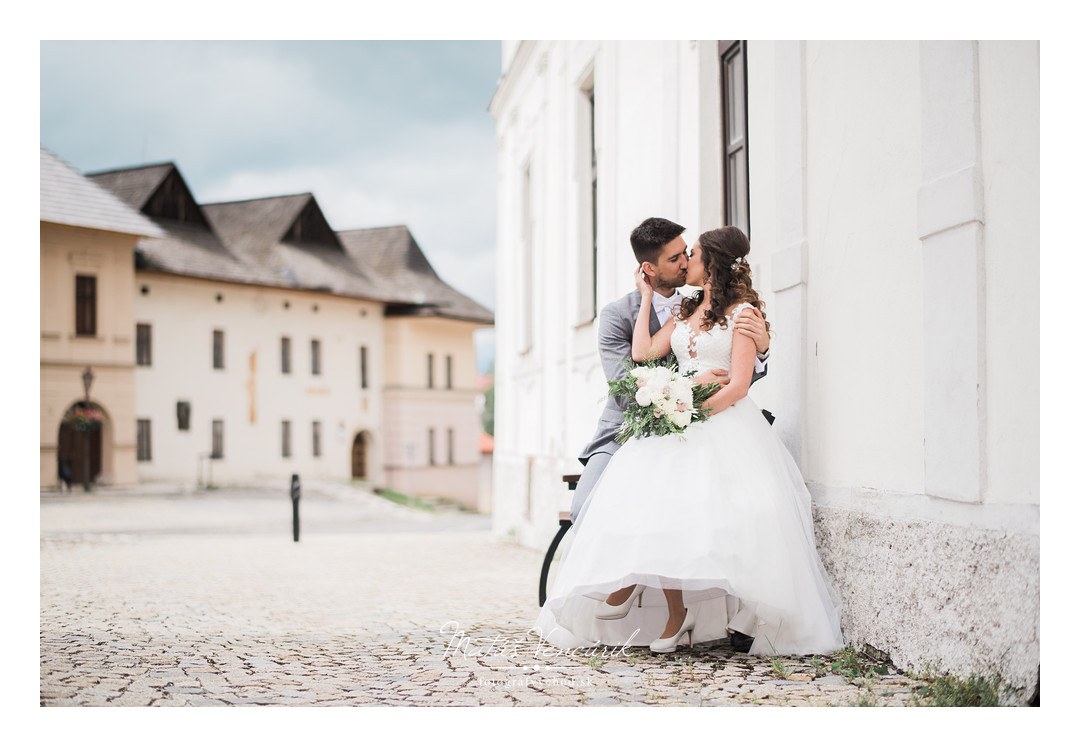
(203, 599)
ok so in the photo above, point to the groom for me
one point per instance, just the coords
(660, 249)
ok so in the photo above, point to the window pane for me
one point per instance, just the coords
(142, 436)
(286, 438)
(431, 371)
(183, 415)
(431, 446)
(316, 362)
(738, 96)
(219, 349)
(363, 367)
(742, 217)
(449, 372)
(316, 438)
(217, 447)
(142, 344)
(449, 445)
(286, 355)
(85, 305)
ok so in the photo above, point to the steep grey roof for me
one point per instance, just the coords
(70, 198)
(195, 251)
(256, 232)
(282, 241)
(133, 185)
(393, 254)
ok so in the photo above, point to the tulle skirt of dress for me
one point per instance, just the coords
(720, 512)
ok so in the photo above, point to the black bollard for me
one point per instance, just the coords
(294, 491)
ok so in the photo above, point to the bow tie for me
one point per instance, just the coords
(668, 302)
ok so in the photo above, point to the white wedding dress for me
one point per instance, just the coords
(721, 512)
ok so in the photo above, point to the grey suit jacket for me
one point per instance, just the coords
(615, 338)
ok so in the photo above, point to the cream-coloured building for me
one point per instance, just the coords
(259, 345)
(891, 194)
(87, 324)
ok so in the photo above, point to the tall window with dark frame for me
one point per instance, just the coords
(316, 358)
(286, 439)
(449, 372)
(449, 445)
(217, 439)
(286, 355)
(431, 446)
(219, 348)
(430, 370)
(736, 166)
(85, 305)
(316, 438)
(142, 345)
(183, 415)
(142, 440)
(363, 367)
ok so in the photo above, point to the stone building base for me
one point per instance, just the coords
(926, 592)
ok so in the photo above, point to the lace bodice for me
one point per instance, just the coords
(700, 351)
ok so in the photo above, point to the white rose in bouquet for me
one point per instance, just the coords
(644, 396)
(681, 419)
(669, 406)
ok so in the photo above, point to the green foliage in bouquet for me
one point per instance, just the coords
(659, 400)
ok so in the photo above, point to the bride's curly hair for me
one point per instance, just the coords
(723, 252)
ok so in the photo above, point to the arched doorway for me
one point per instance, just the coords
(78, 452)
(360, 456)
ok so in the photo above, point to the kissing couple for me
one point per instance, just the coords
(705, 534)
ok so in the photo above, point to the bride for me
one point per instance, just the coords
(679, 526)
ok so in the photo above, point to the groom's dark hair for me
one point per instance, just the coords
(649, 238)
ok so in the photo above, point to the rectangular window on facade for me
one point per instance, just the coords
(286, 355)
(735, 152)
(142, 345)
(183, 416)
(219, 348)
(217, 439)
(449, 372)
(316, 358)
(363, 367)
(85, 305)
(587, 168)
(449, 445)
(286, 439)
(142, 440)
(316, 438)
(431, 446)
(431, 371)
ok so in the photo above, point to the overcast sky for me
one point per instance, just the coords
(380, 132)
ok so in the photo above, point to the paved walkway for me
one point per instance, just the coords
(203, 599)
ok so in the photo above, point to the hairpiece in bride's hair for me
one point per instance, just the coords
(739, 262)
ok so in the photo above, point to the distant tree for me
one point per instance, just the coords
(487, 420)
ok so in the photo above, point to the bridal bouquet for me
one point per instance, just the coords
(660, 400)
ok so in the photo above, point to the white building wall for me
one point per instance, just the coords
(252, 395)
(894, 225)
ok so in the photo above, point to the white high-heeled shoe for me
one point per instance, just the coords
(616, 612)
(667, 645)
